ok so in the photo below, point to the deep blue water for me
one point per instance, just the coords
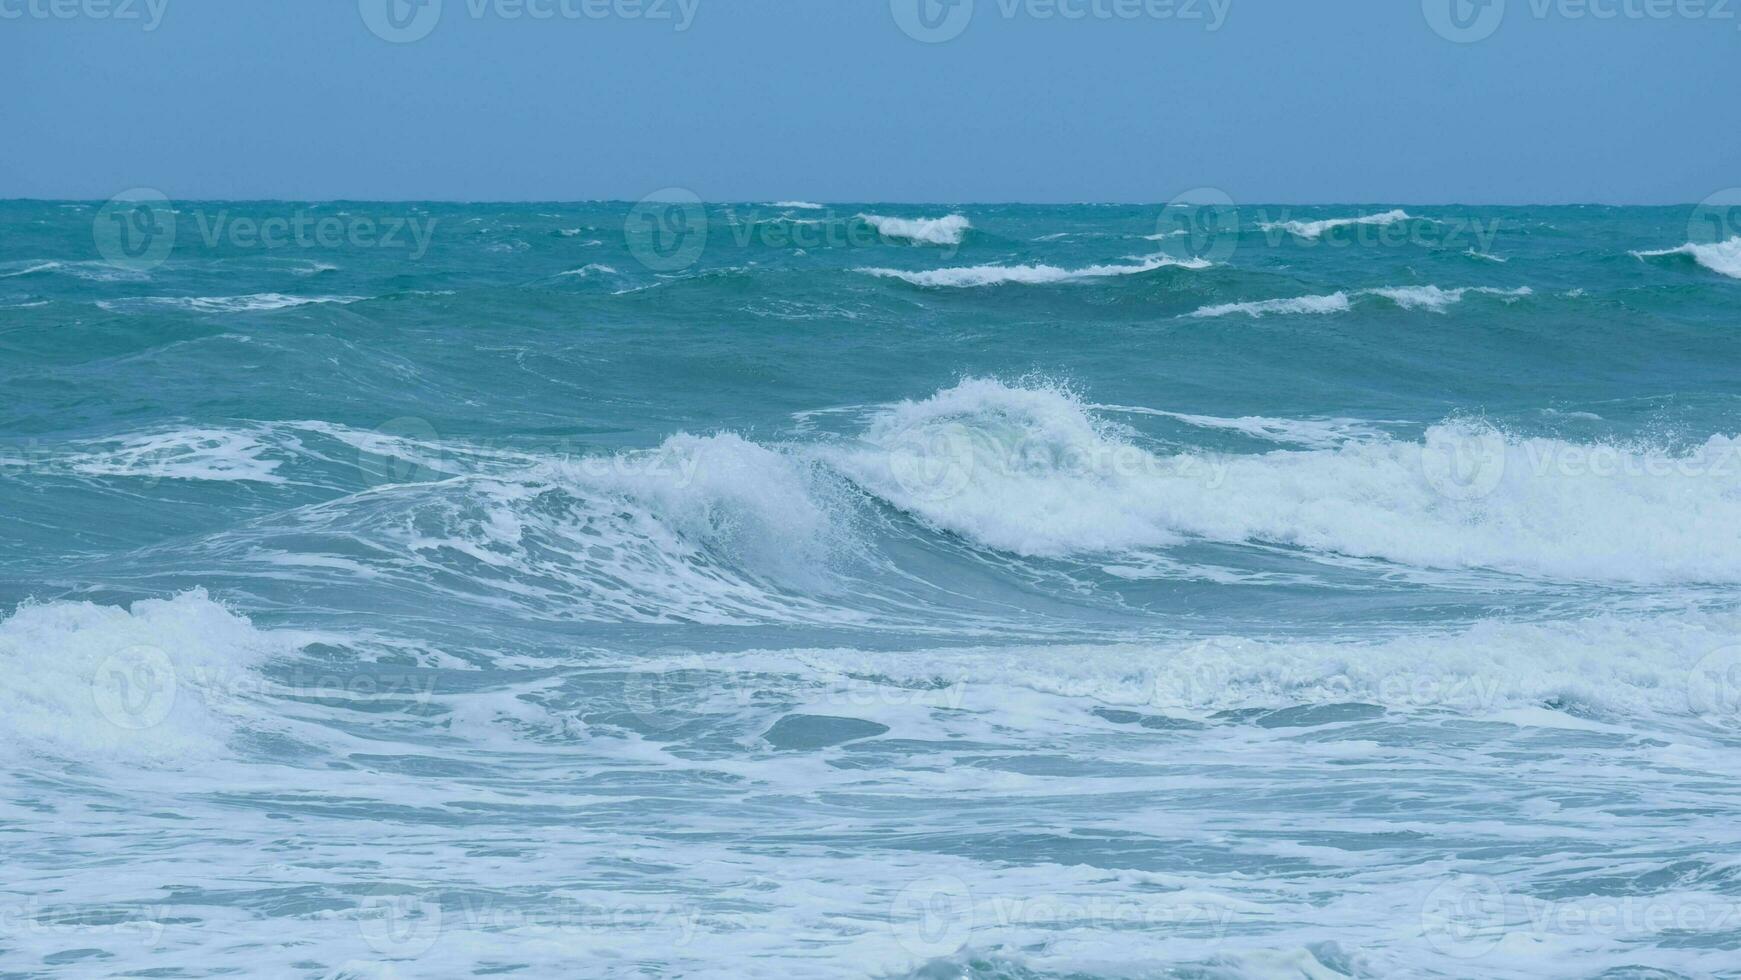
(869, 590)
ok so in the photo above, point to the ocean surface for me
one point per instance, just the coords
(782, 590)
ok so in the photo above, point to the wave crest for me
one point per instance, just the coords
(947, 230)
(150, 683)
(1313, 230)
(1723, 258)
(1029, 470)
(993, 275)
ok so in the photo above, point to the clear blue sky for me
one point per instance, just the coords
(829, 100)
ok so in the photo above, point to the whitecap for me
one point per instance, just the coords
(991, 275)
(157, 683)
(1723, 258)
(252, 303)
(1316, 229)
(1437, 300)
(1030, 470)
(924, 231)
(1333, 303)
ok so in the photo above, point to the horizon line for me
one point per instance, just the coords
(855, 203)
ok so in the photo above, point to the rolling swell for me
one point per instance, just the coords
(731, 618)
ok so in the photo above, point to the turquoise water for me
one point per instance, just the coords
(773, 590)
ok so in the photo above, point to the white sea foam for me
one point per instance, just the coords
(155, 683)
(593, 268)
(31, 269)
(797, 205)
(992, 275)
(1333, 303)
(1626, 666)
(216, 455)
(1317, 433)
(93, 271)
(924, 231)
(1472, 253)
(1723, 258)
(1316, 229)
(713, 529)
(1437, 300)
(252, 303)
(1427, 297)
(1031, 471)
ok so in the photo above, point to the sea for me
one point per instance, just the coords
(793, 589)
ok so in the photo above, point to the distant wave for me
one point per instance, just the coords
(593, 268)
(1408, 297)
(925, 231)
(93, 271)
(1436, 299)
(252, 303)
(1333, 303)
(1723, 258)
(992, 275)
(1472, 253)
(798, 205)
(1316, 229)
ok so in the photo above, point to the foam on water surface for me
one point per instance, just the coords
(948, 601)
